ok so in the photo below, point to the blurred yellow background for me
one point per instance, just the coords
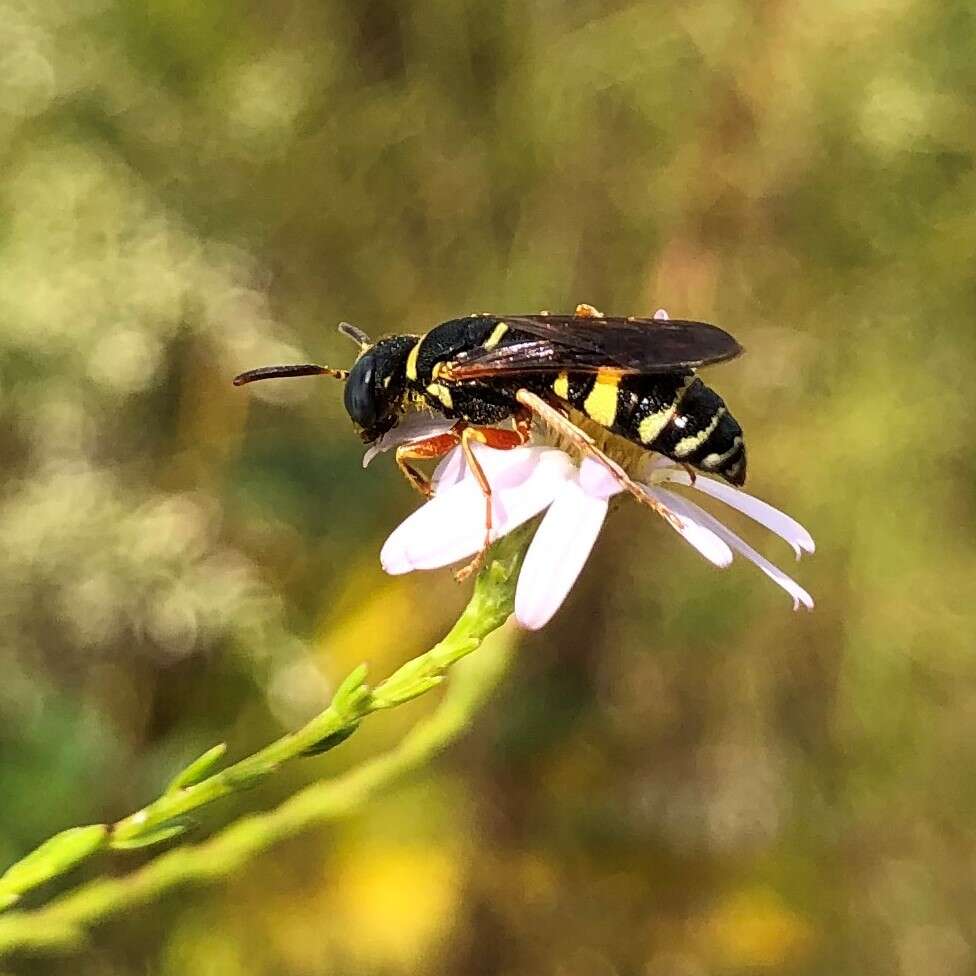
(680, 776)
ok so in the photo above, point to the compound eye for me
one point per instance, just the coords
(359, 395)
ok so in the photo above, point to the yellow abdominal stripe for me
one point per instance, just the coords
(561, 386)
(654, 423)
(714, 460)
(601, 404)
(688, 444)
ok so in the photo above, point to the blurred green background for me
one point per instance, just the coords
(680, 777)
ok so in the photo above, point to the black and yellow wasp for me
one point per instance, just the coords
(631, 377)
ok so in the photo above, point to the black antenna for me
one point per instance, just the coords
(279, 372)
(357, 335)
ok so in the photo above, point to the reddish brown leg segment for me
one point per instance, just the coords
(503, 440)
(433, 447)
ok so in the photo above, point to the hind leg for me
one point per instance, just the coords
(585, 444)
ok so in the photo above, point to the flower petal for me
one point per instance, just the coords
(707, 542)
(759, 511)
(413, 427)
(442, 531)
(597, 480)
(500, 466)
(451, 526)
(450, 470)
(557, 554)
(800, 595)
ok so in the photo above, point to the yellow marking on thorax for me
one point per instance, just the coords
(412, 360)
(686, 445)
(651, 426)
(601, 404)
(584, 311)
(442, 393)
(561, 386)
(496, 336)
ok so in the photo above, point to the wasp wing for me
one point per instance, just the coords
(569, 342)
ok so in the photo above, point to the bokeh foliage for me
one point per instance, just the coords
(682, 776)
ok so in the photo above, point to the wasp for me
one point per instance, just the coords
(581, 376)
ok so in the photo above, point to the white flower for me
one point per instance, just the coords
(526, 480)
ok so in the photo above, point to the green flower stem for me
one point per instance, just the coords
(64, 921)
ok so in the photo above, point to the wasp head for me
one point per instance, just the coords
(376, 386)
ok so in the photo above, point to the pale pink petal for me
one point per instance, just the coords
(597, 480)
(759, 511)
(557, 554)
(691, 530)
(800, 595)
(448, 528)
(450, 470)
(500, 466)
(413, 427)
(451, 526)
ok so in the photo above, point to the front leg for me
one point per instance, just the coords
(433, 447)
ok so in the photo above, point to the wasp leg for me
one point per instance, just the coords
(505, 440)
(501, 440)
(433, 447)
(586, 445)
(690, 471)
(523, 424)
(468, 437)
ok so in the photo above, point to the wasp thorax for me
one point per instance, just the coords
(375, 387)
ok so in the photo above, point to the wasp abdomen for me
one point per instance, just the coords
(674, 414)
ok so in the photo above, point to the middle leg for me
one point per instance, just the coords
(503, 440)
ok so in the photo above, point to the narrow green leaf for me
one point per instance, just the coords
(351, 694)
(331, 741)
(55, 856)
(199, 769)
(448, 652)
(152, 837)
(246, 779)
(407, 691)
